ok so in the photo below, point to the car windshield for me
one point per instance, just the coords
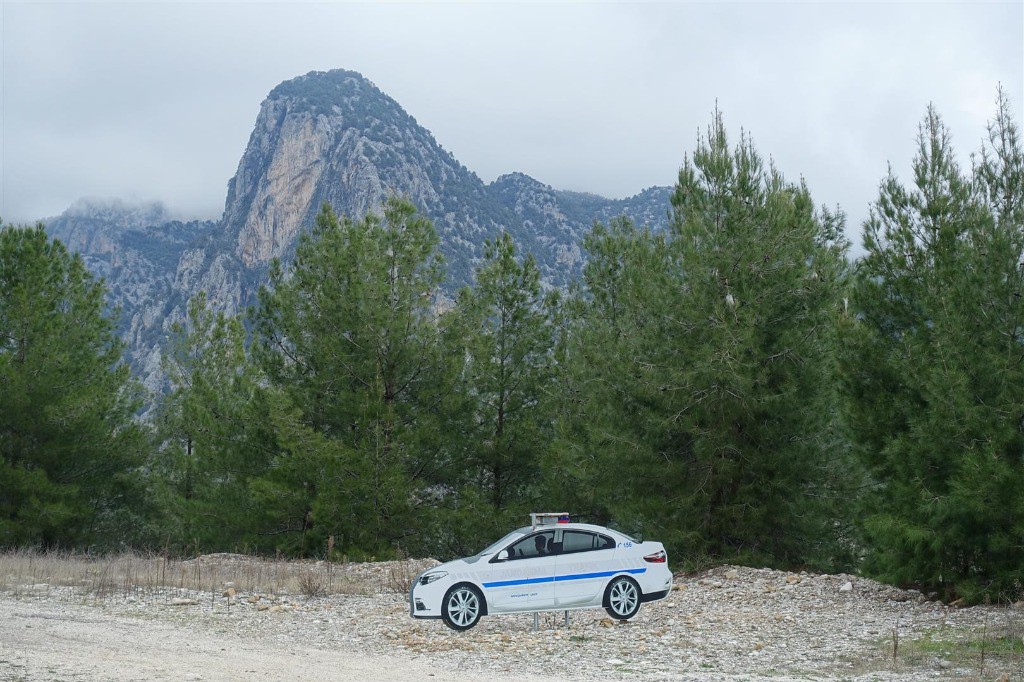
(495, 546)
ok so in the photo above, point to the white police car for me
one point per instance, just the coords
(551, 565)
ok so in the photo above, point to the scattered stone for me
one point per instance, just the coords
(713, 626)
(230, 592)
(179, 601)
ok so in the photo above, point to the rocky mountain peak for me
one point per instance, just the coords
(335, 137)
(341, 93)
(517, 180)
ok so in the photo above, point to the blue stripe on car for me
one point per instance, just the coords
(562, 578)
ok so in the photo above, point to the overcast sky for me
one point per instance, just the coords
(155, 101)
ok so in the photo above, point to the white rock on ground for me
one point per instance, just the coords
(731, 623)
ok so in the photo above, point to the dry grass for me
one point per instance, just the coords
(28, 571)
(313, 584)
(401, 573)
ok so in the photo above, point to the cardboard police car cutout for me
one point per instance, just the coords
(550, 565)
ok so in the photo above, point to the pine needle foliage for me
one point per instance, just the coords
(934, 368)
(501, 403)
(210, 453)
(703, 409)
(70, 450)
(349, 342)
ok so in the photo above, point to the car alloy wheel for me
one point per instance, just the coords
(462, 607)
(622, 598)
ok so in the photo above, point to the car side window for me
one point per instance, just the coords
(536, 545)
(582, 541)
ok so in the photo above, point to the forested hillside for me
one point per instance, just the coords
(732, 385)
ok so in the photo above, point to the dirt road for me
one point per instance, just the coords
(63, 642)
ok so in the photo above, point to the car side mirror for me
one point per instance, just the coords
(502, 555)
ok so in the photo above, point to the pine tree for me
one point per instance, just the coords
(935, 366)
(349, 342)
(761, 276)
(210, 454)
(501, 407)
(705, 386)
(69, 446)
(603, 400)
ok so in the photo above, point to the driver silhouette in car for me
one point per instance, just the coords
(541, 543)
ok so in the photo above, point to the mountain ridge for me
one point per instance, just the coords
(321, 137)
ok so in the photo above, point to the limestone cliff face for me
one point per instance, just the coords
(276, 181)
(335, 137)
(324, 137)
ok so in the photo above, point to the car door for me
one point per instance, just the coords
(522, 577)
(583, 567)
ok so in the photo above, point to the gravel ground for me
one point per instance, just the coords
(730, 623)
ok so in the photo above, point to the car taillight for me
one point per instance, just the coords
(657, 558)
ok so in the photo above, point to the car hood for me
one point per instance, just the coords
(460, 563)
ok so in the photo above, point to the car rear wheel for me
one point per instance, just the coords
(622, 598)
(462, 607)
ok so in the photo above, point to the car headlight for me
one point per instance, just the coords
(431, 577)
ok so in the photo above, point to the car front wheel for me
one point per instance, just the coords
(622, 598)
(462, 607)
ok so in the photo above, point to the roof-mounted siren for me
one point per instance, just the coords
(548, 518)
